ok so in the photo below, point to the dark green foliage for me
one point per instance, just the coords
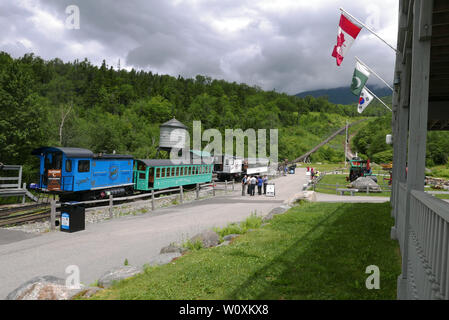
(371, 140)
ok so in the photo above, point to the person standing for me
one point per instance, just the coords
(253, 185)
(265, 182)
(259, 185)
(244, 181)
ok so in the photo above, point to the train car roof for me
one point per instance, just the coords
(79, 153)
(69, 152)
(113, 156)
(165, 162)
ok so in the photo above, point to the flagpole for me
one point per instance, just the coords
(368, 28)
(374, 73)
(369, 91)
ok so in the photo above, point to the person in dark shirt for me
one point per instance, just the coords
(259, 185)
(265, 181)
(244, 181)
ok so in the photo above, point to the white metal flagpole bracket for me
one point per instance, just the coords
(369, 91)
(367, 28)
(373, 72)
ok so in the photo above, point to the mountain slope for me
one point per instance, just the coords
(342, 95)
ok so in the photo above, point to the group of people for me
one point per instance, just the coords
(313, 173)
(250, 183)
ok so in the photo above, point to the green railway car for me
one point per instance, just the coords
(161, 174)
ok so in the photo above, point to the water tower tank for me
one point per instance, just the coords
(173, 134)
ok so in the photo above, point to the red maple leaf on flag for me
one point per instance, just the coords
(337, 49)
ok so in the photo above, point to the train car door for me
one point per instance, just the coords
(52, 171)
(83, 175)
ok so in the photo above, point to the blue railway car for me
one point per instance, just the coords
(79, 174)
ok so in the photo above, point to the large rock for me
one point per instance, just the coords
(207, 238)
(164, 258)
(231, 236)
(43, 288)
(362, 184)
(275, 211)
(173, 249)
(117, 274)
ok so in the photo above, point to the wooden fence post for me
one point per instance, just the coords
(197, 191)
(181, 194)
(24, 187)
(233, 182)
(111, 202)
(53, 215)
(226, 186)
(152, 200)
(213, 188)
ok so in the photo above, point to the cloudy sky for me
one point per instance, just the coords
(276, 44)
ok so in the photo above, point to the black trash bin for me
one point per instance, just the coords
(72, 218)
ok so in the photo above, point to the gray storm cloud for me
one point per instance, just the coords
(287, 46)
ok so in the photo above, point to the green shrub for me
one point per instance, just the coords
(197, 245)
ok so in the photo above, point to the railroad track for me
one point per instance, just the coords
(42, 212)
(11, 210)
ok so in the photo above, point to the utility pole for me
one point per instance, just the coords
(346, 144)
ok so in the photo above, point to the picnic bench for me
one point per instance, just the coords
(342, 191)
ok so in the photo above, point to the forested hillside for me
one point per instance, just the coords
(78, 104)
(370, 143)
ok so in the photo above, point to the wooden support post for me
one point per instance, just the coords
(24, 187)
(213, 188)
(111, 203)
(419, 103)
(19, 181)
(226, 186)
(233, 182)
(152, 200)
(53, 215)
(181, 195)
(197, 191)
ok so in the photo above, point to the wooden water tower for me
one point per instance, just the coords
(173, 134)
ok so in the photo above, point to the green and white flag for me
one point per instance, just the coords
(361, 75)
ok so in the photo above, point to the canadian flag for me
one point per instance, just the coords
(347, 33)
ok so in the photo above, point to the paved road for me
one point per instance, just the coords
(324, 197)
(105, 245)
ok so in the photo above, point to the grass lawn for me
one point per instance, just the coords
(333, 179)
(314, 251)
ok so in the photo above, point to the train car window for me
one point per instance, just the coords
(141, 167)
(83, 166)
(142, 176)
(57, 161)
(158, 172)
(68, 166)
